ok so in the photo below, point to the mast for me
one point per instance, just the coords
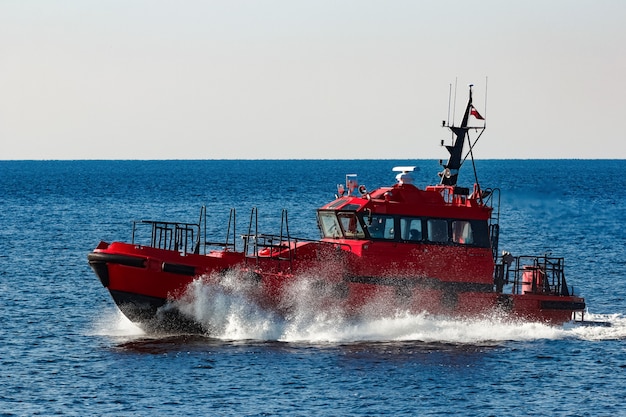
(450, 173)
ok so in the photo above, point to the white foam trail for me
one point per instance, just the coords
(433, 329)
(115, 324)
(615, 328)
(226, 307)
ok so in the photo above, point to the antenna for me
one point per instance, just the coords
(449, 101)
(454, 105)
(485, 108)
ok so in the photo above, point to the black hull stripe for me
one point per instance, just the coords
(178, 269)
(412, 282)
(562, 305)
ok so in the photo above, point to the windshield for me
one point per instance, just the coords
(329, 224)
(351, 225)
(343, 224)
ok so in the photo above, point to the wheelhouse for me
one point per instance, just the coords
(347, 223)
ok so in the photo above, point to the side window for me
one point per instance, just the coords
(382, 227)
(411, 229)
(480, 230)
(437, 230)
(462, 232)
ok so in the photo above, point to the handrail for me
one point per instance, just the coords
(538, 275)
(168, 235)
(191, 238)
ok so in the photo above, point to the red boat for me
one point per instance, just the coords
(432, 249)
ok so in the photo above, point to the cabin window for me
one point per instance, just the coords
(480, 230)
(351, 225)
(416, 229)
(381, 227)
(437, 230)
(329, 225)
(462, 232)
(411, 229)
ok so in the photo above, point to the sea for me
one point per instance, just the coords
(66, 350)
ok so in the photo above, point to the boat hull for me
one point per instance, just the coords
(146, 284)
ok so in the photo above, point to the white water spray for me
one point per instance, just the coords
(227, 307)
(113, 323)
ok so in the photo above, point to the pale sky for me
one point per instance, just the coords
(309, 79)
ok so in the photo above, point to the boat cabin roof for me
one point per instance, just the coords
(407, 199)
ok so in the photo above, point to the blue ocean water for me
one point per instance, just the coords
(66, 350)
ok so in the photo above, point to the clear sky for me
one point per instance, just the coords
(308, 79)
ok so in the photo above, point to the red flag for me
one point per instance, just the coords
(475, 113)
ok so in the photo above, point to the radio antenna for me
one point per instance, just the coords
(485, 108)
(454, 104)
(449, 101)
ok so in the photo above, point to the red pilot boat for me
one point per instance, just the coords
(432, 249)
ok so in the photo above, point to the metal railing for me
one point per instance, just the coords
(181, 237)
(533, 275)
(191, 238)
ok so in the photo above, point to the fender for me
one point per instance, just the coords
(98, 262)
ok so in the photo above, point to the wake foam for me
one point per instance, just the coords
(115, 324)
(609, 327)
(228, 308)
